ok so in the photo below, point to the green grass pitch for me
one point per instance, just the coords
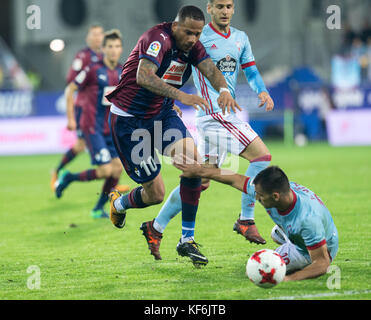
(80, 258)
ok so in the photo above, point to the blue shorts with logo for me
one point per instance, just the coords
(101, 147)
(136, 141)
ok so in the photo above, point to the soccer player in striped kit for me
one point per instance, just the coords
(219, 134)
(97, 80)
(91, 54)
(158, 66)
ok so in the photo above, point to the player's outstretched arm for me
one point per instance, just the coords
(70, 105)
(217, 80)
(191, 168)
(320, 263)
(257, 84)
(147, 78)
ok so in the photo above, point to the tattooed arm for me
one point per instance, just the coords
(212, 73)
(217, 80)
(147, 78)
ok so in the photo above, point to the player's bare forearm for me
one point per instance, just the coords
(191, 168)
(147, 78)
(213, 74)
(228, 177)
(320, 263)
(314, 270)
(217, 80)
(70, 105)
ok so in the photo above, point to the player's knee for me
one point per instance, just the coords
(79, 146)
(116, 170)
(104, 171)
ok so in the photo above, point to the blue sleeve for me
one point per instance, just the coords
(254, 79)
(313, 233)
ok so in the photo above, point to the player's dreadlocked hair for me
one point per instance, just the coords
(191, 12)
(272, 179)
(112, 35)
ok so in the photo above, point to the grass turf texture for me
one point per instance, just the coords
(82, 258)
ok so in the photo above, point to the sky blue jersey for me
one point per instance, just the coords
(229, 53)
(307, 223)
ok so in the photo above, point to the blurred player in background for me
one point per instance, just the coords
(304, 229)
(91, 54)
(96, 80)
(219, 134)
(158, 66)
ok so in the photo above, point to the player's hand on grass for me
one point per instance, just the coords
(71, 124)
(266, 100)
(190, 167)
(194, 101)
(178, 111)
(226, 101)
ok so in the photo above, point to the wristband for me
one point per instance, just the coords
(224, 90)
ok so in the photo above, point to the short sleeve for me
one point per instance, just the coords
(84, 77)
(77, 66)
(198, 54)
(247, 58)
(313, 233)
(153, 45)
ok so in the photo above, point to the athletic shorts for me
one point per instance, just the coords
(293, 258)
(136, 141)
(78, 113)
(101, 148)
(219, 134)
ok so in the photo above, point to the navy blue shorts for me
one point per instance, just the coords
(136, 141)
(78, 113)
(101, 148)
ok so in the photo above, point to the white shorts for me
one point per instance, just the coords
(293, 258)
(219, 134)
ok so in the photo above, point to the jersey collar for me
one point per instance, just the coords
(219, 33)
(290, 208)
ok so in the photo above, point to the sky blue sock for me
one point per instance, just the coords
(248, 201)
(169, 210)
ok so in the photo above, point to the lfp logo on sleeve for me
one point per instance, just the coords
(154, 49)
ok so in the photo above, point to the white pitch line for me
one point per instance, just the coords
(320, 295)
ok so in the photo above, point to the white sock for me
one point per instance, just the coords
(186, 239)
(158, 227)
(118, 206)
(245, 219)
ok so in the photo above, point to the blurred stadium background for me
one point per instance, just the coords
(319, 78)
